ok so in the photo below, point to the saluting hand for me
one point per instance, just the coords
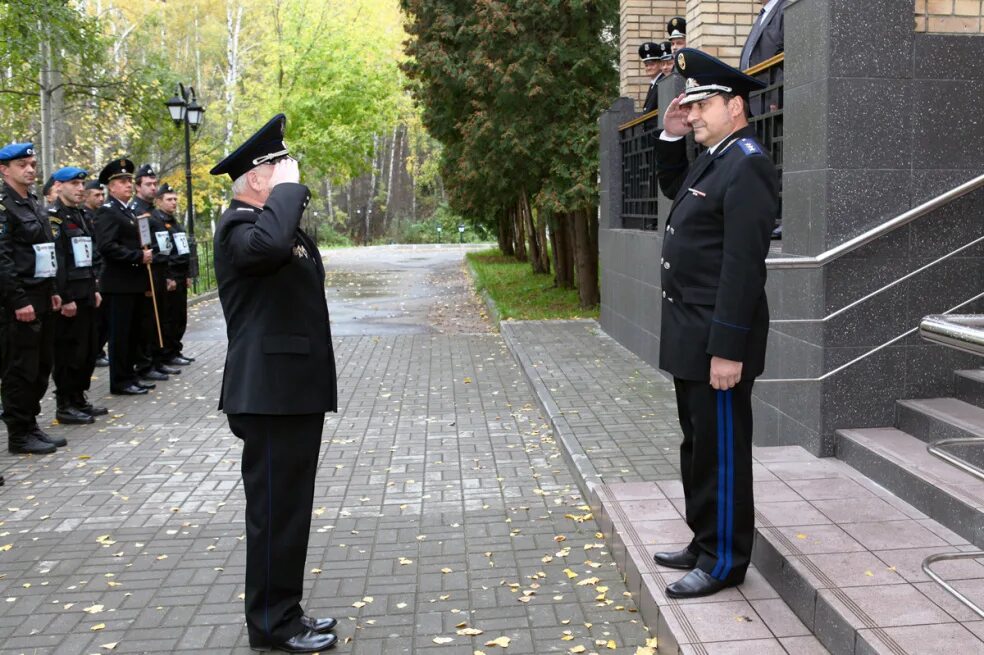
(285, 170)
(725, 373)
(675, 120)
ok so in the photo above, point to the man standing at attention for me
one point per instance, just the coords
(279, 380)
(715, 317)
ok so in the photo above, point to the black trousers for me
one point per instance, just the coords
(125, 326)
(280, 461)
(716, 468)
(76, 349)
(102, 326)
(175, 320)
(27, 353)
(151, 353)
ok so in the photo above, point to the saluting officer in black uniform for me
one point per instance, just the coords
(150, 364)
(124, 277)
(28, 297)
(715, 319)
(175, 318)
(279, 379)
(76, 326)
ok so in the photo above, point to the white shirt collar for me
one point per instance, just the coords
(717, 145)
(768, 9)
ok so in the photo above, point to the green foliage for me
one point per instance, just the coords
(448, 221)
(520, 294)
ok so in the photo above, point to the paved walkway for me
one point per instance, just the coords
(443, 504)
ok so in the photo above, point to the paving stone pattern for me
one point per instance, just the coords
(441, 500)
(616, 414)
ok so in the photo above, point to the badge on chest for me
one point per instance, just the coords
(300, 251)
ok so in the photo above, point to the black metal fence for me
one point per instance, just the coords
(206, 268)
(640, 190)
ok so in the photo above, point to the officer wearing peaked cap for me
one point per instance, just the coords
(279, 379)
(715, 318)
(76, 326)
(28, 298)
(652, 54)
(124, 276)
(676, 32)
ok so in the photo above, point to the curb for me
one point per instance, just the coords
(587, 477)
(489, 303)
(203, 297)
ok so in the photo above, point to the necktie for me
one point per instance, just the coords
(746, 52)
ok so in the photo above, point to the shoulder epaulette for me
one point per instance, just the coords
(750, 147)
(55, 219)
(107, 204)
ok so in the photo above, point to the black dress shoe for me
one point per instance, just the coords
(308, 641)
(698, 583)
(1, 481)
(157, 376)
(680, 559)
(145, 385)
(30, 445)
(326, 624)
(129, 390)
(43, 436)
(178, 360)
(186, 358)
(102, 361)
(167, 370)
(73, 416)
(92, 410)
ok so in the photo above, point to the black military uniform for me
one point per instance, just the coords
(28, 269)
(279, 381)
(714, 305)
(123, 283)
(651, 52)
(76, 337)
(175, 318)
(150, 364)
(102, 315)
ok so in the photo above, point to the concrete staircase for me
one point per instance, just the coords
(839, 544)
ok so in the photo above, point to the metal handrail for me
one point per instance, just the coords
(942, 557)
(959, 331)
(865, 238)
(936, 449)
(868, 353)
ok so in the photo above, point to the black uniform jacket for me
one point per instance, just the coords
(90, 225)
(159, 263)
(118, 236)
(272, 289)
(77, 283)
(714, 250)
(178, 265)
(652, 96)
(22, 225)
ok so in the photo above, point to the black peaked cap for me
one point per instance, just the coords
(708, 76)
(267, 144)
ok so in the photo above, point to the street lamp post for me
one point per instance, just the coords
(184, 109)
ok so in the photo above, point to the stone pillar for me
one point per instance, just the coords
(610, 163)
(641, 20)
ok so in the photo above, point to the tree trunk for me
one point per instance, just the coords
(586, 256)
(372, 190)
(536, 247)
(234, 22)
(390, 186)
(541, 231)
(331, 205)
(519, 234)
(505, 236)
(563, 251)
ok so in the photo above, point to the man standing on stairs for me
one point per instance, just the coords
(715, 318)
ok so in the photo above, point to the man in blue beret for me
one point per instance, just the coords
(76, 326)
(278, 382)
(28, 297)
(715, 317)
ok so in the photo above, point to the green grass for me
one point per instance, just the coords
(521, 295)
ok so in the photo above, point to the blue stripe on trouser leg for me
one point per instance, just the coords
(730, 493)
(721, 519)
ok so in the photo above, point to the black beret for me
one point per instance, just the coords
(93, 184)
(165, 188)
(264, 146)
(145, 171)
(47, 185)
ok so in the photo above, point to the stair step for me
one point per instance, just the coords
(836, 567)
(638, 519)
(933, 419)
(846, 557)
(899, 462)
(969, 386)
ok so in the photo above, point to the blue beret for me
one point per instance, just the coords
(70, 173)
(16, 151)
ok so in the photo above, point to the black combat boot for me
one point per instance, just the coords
(68, 414)
(82, 404)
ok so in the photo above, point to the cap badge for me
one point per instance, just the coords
(30, 151)
(676, 21)
(681, 62)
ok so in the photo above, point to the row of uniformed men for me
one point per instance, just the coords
(74, 269)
